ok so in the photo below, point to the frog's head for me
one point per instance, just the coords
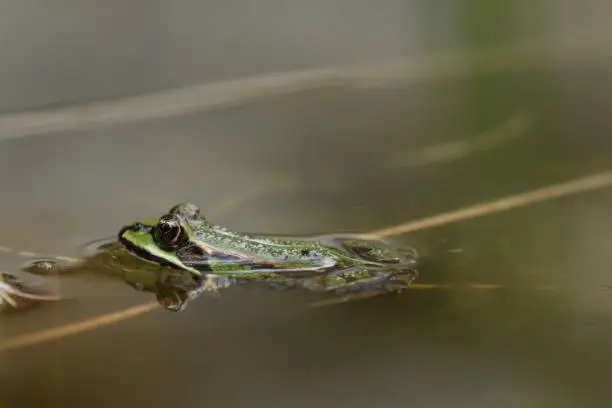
(159, 242)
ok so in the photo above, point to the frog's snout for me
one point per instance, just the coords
(135, 227)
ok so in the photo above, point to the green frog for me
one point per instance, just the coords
(181, 255)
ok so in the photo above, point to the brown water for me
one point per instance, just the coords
(325, 161)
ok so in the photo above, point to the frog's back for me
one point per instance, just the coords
(242, 254)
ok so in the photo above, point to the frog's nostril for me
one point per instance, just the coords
(138, 227)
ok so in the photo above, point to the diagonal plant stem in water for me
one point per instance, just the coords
(69, 329)
(569, 188)
(573, 187)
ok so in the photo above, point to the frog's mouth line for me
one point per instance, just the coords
(141, 253)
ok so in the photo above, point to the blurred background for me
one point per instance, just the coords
(301, 117)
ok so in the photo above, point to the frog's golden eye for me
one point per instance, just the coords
(169, 234)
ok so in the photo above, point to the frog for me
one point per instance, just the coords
(181, 255)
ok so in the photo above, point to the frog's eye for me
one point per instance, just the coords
(169, 233)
